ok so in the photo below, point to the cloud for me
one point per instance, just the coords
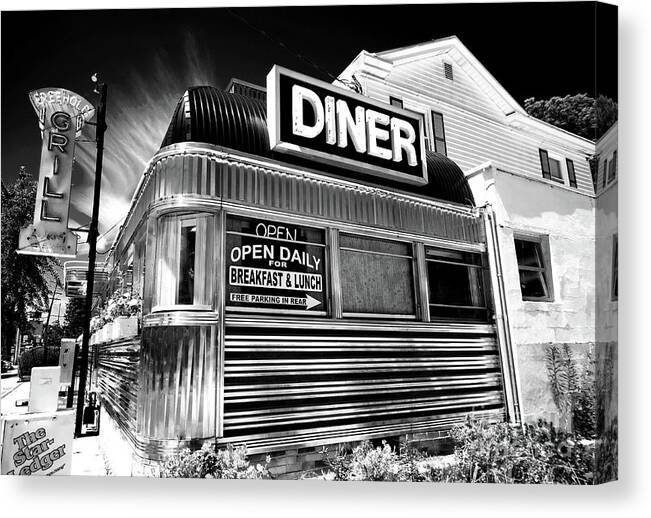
(139, 109)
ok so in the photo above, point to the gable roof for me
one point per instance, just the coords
(380, 64)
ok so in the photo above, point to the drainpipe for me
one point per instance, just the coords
(509, 373)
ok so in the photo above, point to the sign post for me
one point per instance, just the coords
(92, 253)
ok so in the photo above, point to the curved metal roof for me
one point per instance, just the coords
(206, 114)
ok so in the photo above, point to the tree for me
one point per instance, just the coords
(580, 114)
(24, 277)
(74, 318)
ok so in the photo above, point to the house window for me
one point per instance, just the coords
(184, 262)
(533, 268)
(456, 284)
(604, 174)
(438, 134)
(612, 168)
(377, 277)
(571, 174)
(395, 101)
(614, 280)
(551, 166)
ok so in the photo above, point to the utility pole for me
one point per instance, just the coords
(92, 252)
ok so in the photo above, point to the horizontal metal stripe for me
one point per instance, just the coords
(324, 385)
(376, 326)
(180, 318)
(261, 443)
(339, 414)
(256, 397)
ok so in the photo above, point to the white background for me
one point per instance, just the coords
(126, 497)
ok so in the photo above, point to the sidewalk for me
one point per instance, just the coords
(88, 458)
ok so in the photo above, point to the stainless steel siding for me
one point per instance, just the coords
(178, 383)
(291, 382)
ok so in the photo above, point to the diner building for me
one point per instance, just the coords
(375, 259)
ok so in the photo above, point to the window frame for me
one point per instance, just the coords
(482, 279)
(433, 138)
(327, 311)
(612, 168)
(184, 219)
(614, 269)
(546, 269)
(411, 245)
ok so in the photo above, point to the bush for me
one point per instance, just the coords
(208, 462)
(531, 454)
(383, 463)
(37, 357)
(495, 453)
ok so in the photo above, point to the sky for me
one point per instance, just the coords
(148, 58)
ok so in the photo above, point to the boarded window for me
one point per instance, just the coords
(377, 276)
(185, 261)
(533, 268)
(438, 134)
(456, 284)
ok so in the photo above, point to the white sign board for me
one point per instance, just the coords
(44, 389)
(37, 444)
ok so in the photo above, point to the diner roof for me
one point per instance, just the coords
(209, 115)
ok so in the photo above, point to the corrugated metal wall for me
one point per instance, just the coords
(218, 179)
(178, 375)
(117, 378)
(293, 384)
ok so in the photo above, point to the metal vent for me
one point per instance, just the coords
(449, 73)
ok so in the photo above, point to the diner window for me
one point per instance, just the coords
(185, 261)
(614, 280)
(533, 267)
(456, 284)
(377, 277)
(612, 168)
(438, 134)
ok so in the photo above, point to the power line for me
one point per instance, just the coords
(282, 45)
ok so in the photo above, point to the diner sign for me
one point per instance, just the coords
(318, 121)
(61, 117)
(274, 266)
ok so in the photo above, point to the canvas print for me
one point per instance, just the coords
(346, 243)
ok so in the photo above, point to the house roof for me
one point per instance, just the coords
(380, 64)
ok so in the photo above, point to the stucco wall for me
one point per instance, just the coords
(523, 206)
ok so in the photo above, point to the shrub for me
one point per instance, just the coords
(382, 463)
(208, 462)
(37, 357)
(532, 454)
(495, 453)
